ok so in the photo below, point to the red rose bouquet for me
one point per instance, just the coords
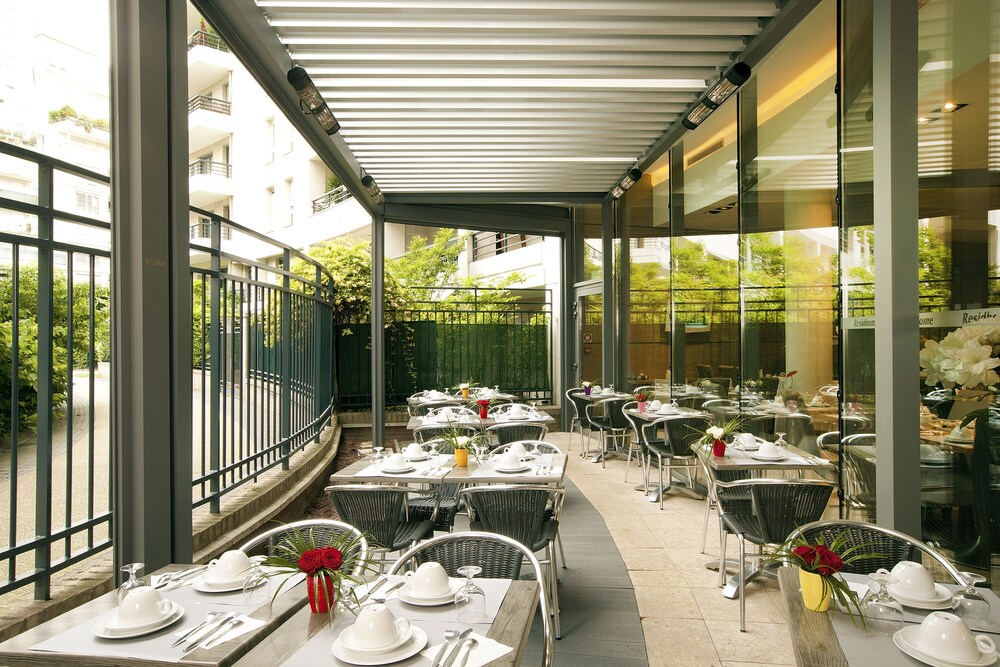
(328, 564)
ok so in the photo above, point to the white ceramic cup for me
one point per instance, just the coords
(655, 405)
(596, 388)
(395, 462)
(768, 448)
(377, 628)
(947, 637)
(914, 580)
(925, 420)
(748, 440)
(607, 390)
(142, 606)
(516, 410)
(429, 581)
(445, 411)
(230, 566)
(414, 450)
(510, 460)
(517, 449)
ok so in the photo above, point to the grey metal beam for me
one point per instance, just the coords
(567, 328)
(608, 310)
(897, 364)
(243, 27)
(526, 219)
(622, 303)
(464, 198)
(378, 330)
(791, 14)
(151, 284)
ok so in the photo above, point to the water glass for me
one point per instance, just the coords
(883, 613)
(378, 452)
(470, 598)
(970, 604)
(133, 581)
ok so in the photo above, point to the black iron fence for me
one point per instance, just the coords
(452, 335)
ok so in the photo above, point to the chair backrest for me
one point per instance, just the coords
(829, 440)
(722, 383)
(704, 370)
(613, 410)
(580, 404)
(648, 389)
(854, 424)
(504, 408)
(682, 432)
(762, 426)
(778, 505)
(322, 532)
(512, 432)
(985, 484)
(423, 434)
(633, 422)
(375, 510)
(425, 408)
(892, 546)
(516, 511)
(499, 557)
(543, 447)
(456, 412)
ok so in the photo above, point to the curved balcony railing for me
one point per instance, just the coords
(330, 198)
(208, 103)
(210, 168)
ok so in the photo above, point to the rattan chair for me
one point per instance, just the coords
(521, 512)
(679, 433)
(499, 557)
(580, 405)
(423, 409)
(508, 432)
(776, 508)
(529, 445)
(890, 545)
(424, 434)
(612, 426)
(858, 475)
(322, 531)
(634, 443)
(381, 512)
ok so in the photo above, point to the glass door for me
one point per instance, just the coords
(589, 323)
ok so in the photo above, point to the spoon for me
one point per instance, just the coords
(469, 645)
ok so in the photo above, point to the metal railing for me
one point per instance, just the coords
(55, 313)
(330, 198)
(210, 168)
(202, 38)
(491, 244)
(263, 358)
(450, 335)
(209, 103)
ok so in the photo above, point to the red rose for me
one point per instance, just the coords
(830, 563)
(311, 561)
(806, 553)
(332, 558)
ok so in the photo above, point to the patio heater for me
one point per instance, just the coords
(737, 75)
(312, 102)
(631, 177)
(373, 189)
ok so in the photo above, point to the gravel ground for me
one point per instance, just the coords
(321, 507)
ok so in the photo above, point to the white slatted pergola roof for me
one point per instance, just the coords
(470, 96)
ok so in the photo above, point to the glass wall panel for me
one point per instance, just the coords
(788, 245)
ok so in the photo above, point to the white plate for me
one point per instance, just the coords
(744, 448)
(104, 630)
(415, 645)
(346, 638)
(447, 598)
(666, 412)
(518, 418)
(203, 586)
(941, 600)
(413, 459)
(522, 468)
(399, 471)
(960, 441)
(762, 457)
(905, 641)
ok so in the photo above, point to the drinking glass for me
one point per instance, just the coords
(883, 613)
(378, 452)
(780, 441)
(133, 581)
(970, 604)
(470, 599)
(254, 586)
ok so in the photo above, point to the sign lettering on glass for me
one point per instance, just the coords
(951, 318)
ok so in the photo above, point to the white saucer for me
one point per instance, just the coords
(518, 418)
(416, 644)
(959, 441)
(106, 630)
(941, 600)
(413, 459)
(521, 468)
(744, 448)
(398, 471)
(447, 598)
(661, 411)
(762, 457)
(346, 639)
(905, 641)
(204, 586)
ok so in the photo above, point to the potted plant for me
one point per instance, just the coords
(641, 397)
(327, 565)
(586, 384)
(482, 405)
(461, 444)
(819, 567)
(715, 436)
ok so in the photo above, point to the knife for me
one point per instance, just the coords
(448, 661)
(371, 589)
(217, 632)
(213, 617)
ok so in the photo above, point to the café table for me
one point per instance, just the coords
(831, 639)
(655, 416)
(364, 471)
(511, 627)
(482, 424)
(75, 624)
(797, 461)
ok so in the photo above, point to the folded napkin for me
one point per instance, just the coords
(485, 652)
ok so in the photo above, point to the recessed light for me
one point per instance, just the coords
(923, 120)
(949, 106)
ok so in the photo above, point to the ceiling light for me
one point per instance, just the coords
(617, 192)
(949, 106)
(630, 179)
(373, 189)
(737, 75)
(311, 100)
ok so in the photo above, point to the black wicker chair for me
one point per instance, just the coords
(776, 508)
(521, 512)
(891, 546)
(986, 483)
(422, 409)
(580, 406)
(507, 433)
(679, 433)
(381, 512)
(529, 445)
(711, 502)
(322, 532)
(499, 557)
(612, 426)
(424, 434)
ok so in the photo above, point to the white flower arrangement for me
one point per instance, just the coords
(464, 385)
(963, 358)
(716, 432)
(584, 384)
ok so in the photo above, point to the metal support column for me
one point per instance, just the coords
(608, 310)
(897, 363)
(43, 453)
(151, 284)
(286, 359)
(568, 327)
(378, 329)
(216, 390)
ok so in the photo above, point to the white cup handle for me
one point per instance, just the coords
(985, 644)
(402, 626)
(212, 563)
(165, 607)
(408, 574)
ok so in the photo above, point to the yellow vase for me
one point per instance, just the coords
(462, 458)
(465, 393)
(815, 595)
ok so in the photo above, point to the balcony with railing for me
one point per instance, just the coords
(209, 121)
(330, 198)
(209, 60)
(209, 181)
